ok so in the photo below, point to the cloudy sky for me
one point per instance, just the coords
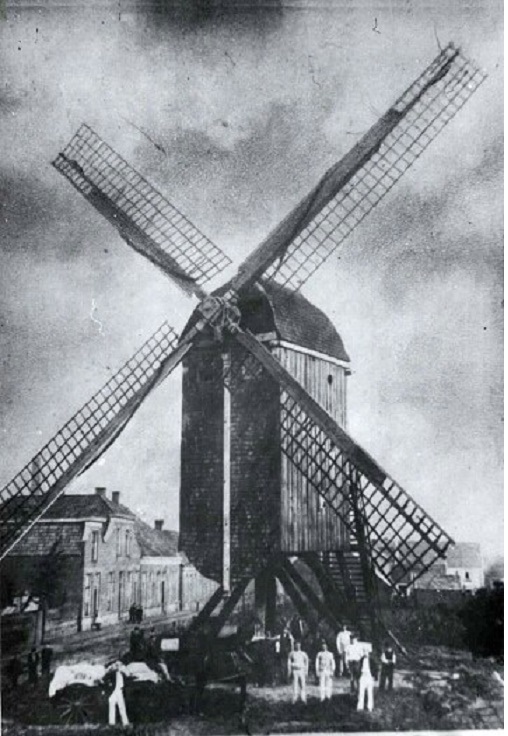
(250, 108)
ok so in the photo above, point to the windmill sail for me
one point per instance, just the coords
(142, 216)
(83, 439)
(402, 537)
(354, 186)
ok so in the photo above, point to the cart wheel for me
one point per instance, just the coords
(77, 705)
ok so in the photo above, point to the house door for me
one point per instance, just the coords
(163, 597)
(95, 603)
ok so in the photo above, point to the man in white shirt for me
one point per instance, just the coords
(325, 670)
(342, 642)
(116, 699)
(354, 653)
(365, 684)
(298, 669)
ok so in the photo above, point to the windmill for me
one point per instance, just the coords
(242, 538)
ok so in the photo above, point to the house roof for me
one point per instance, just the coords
(436, 578)
(45, 539)
(465, 554)
(155, 542)
(85, 506)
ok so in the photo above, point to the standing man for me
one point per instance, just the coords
(342, 642)
(298, 669)
(286, 647)
(388, 661)
(116, 699)
(325, 670)
(354, 653)
(296, 628)
(33, 666)
(366, 683)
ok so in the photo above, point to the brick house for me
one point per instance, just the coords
(90, 558)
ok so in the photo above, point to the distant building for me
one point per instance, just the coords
(465, 560)
(461, 570)
(89, 559)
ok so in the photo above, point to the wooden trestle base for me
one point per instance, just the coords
(321, 604)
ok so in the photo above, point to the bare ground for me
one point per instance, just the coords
(437, 689)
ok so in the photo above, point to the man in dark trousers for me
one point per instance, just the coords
(297, 628)
(46, 656)
(33, 666)
(137, 644)
(388, 661)
(14, 671)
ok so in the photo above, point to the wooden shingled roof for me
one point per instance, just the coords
(300, 322)
(268, 308)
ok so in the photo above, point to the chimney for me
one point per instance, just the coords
(115, 497)
(101, 492)
(158, 524)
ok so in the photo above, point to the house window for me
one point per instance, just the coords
(95, 546)
(144, 590)
(467, 576)
(134, 597)
(96, 598)
(127, 543)
(88, 595)
(152, 589)
(118, 543)
(111, 591)
(128, 589)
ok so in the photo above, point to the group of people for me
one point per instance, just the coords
(135, 614)
(37, 663)
(355, 660)
(142, 649)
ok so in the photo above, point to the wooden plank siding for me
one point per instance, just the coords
(307, 523)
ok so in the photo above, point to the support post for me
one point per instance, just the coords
(295, 595)
(226, 474)
(227, 609)
(265, 598)
(367, 572)
(321, 608)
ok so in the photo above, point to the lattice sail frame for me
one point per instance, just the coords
(403, 539)
(408, 128)
(82, 439)
(141, 214)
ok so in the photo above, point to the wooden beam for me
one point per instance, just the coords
(321, 608)
(295, 595)
(218, 622)
(206, 611)
(226, 476)
(265, 598)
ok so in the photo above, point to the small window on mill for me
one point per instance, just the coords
(330, 379)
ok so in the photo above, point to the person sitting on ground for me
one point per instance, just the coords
(388, 662)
